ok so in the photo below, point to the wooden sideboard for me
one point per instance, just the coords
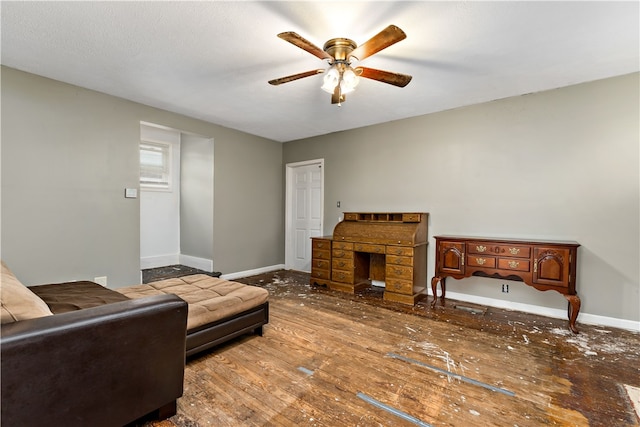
(388, 247)
(545, 265)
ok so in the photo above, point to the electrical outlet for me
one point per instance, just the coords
(102, 280)
(505, 288)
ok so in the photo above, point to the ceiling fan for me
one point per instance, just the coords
(340, 78)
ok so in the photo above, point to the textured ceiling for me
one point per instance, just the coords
(212, 60)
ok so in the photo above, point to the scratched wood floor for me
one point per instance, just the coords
(331, 359)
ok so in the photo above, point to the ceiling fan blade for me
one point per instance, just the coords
(302, 43)
(293, 77)
(382, 40)
(396, 79)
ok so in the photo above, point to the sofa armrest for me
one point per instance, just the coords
(102, 366)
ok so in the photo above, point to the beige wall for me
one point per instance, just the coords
(562, 164)
(67, 155)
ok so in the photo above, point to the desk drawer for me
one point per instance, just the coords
(321, 244)
(399, 272)
(372, 249)
(322, 264)
(399, 260)
(400, 250)
(342, 276)
(342, 245)
(320, 274)
(399, 286)
(342, 263)
(339, 253)
(513, 264)
(321, 254)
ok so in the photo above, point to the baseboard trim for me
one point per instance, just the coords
(159, 261)
(587, 318)
(195, 262)
(247, 273)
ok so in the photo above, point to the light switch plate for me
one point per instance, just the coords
(130, 193)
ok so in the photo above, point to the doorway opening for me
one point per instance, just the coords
(176, 198)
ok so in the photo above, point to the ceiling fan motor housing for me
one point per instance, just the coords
(339, 48)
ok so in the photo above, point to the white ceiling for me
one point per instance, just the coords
(212, 60)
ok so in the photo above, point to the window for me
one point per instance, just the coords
(155, 165)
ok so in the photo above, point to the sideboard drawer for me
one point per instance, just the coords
(502, 250)
(513, 264)
(481, 261)
(516, 251)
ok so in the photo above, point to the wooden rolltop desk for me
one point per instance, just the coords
(374, 247)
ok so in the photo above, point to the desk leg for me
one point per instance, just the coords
(434, 288)
(573, 308)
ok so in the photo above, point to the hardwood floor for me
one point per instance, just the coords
(333, 359)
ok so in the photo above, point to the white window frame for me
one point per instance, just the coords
(162, 181)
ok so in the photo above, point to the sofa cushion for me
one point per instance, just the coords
(209, 298)
(18, 302)
(72, 296)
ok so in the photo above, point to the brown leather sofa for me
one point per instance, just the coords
(107, 365)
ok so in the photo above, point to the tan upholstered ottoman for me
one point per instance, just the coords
(219, 309)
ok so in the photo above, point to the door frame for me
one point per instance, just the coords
(288, 222)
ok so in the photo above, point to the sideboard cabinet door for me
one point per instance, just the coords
(451, 256)
(551, 266)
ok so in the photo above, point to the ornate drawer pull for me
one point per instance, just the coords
(341, 264)
(481, 248)
(514, 251)
(514, 264)
(535, 265)
(481, 261)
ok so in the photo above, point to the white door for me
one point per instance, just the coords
(305, 194)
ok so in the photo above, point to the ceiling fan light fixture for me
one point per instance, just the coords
(331, 79)
(349, 80)
(342, 75)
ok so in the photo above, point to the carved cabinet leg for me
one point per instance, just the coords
(573, 310)
(434, 289)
